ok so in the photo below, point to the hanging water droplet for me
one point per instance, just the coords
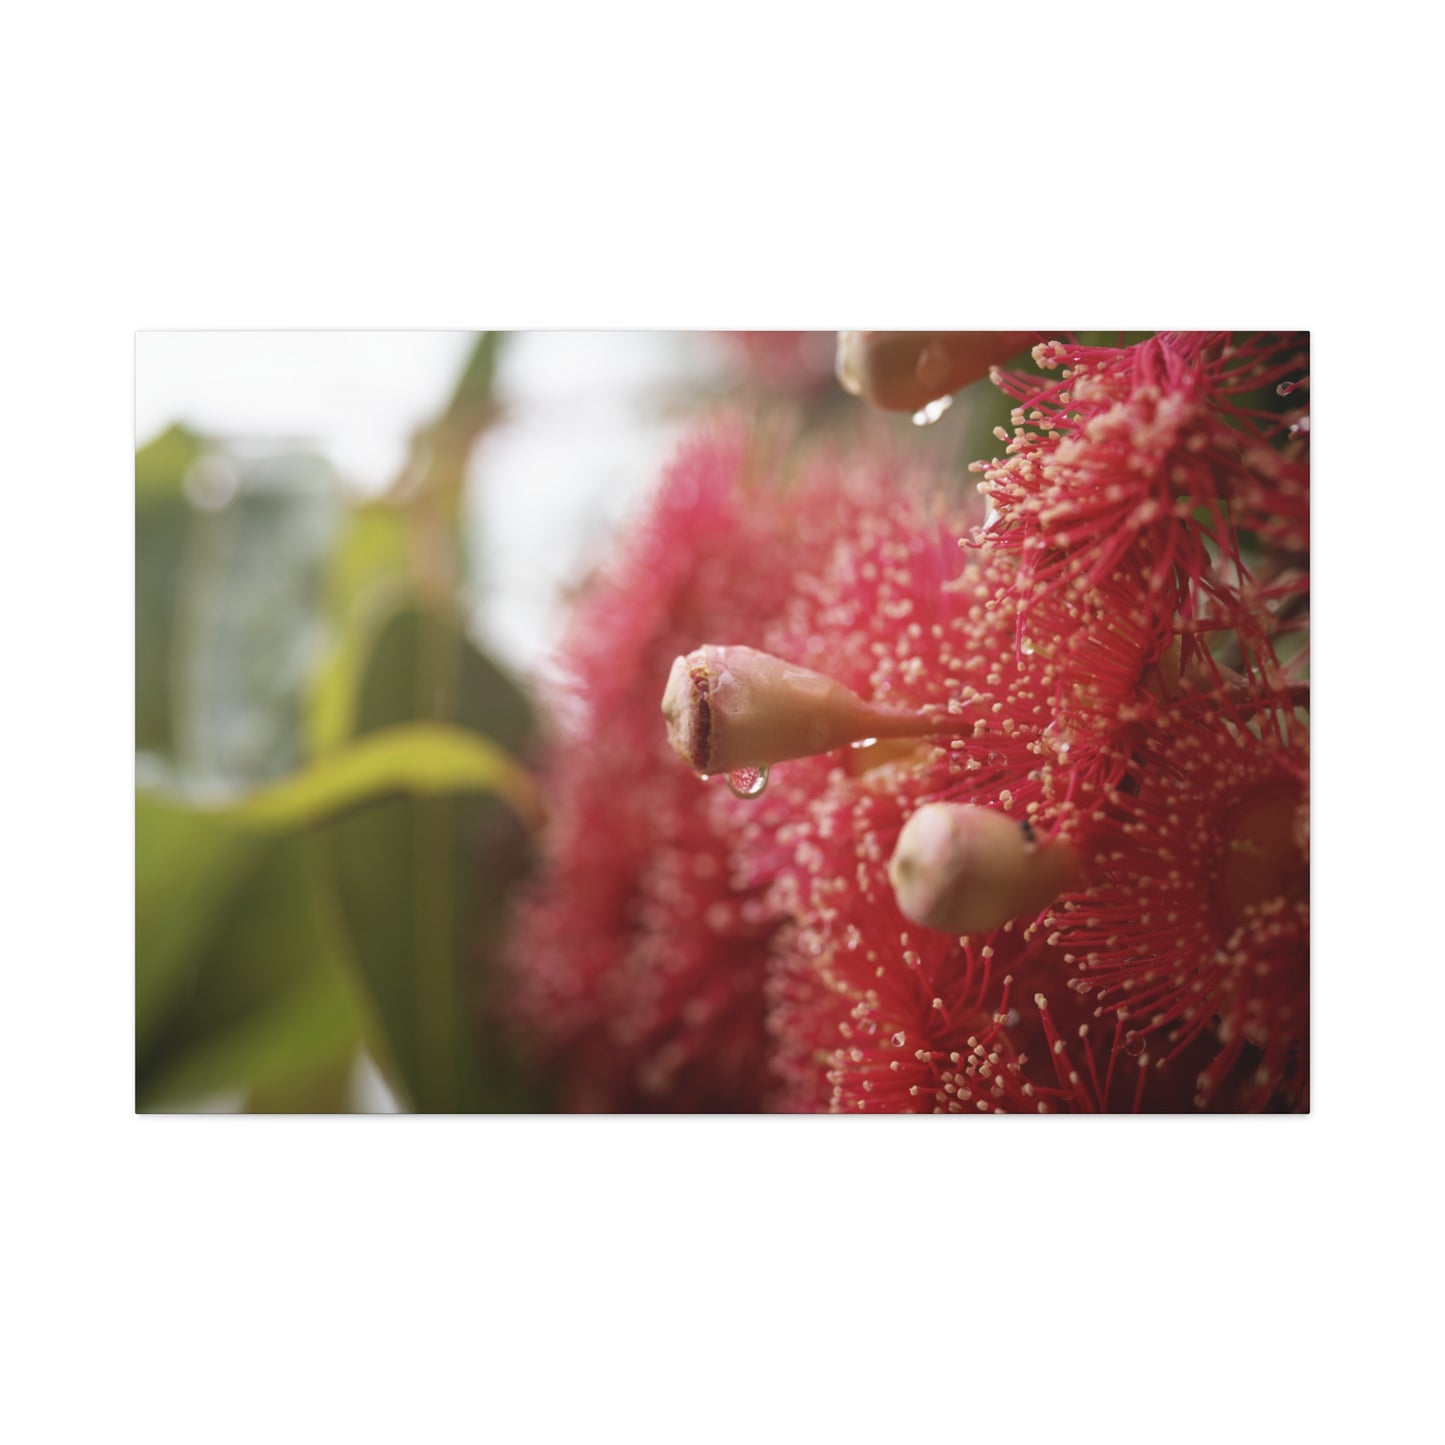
(1026, 647)
(748, 782)
(864, 743)
(899, 1039)
(1284, 388)
(927, 415)
(1301, 427)
(1133, 1044)
(704, 776)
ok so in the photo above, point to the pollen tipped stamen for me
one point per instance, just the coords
(729, 708)
(964, 869)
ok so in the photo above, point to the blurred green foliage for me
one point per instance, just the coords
(336, 804)
(162, 520)
(246, 989)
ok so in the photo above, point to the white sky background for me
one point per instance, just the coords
(591, 417)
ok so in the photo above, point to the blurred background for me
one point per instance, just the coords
(354, 553)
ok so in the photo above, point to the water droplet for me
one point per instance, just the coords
(748, 782)
(864, 743)
(994, 759)
(704, 776)
(1026, 647)
(927, 415)
(1301, 427)
(899, 1039)
(1133, 1044)
(1284, 388)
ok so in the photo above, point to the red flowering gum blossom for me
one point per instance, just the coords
(869, 1013)
(1151, 454)
(636, 968)
(638, 958)
(1199, 925)
(1102, 675)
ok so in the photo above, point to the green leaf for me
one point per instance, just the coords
(161, 465)
(366, 583)
(241, 979)
(236, 984)
(163, 520)
(422, 883)
(268, 1045)
(471, 405)
(325, 1089)
(363, 896)
(419, 758)
(422, 665)
(439, 459)
(191, 870)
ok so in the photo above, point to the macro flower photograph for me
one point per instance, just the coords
(676, 868)
(723, 722)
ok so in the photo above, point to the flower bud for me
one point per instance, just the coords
(905, 370)
(963, 869)
(736, 707)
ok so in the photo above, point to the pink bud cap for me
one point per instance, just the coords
(736, 707)
(963, 869)
(905, 370)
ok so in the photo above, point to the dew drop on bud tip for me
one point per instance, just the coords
(927, 415)
(748, 782)
(1284, 388)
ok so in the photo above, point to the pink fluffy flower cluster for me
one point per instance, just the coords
(1018, 815)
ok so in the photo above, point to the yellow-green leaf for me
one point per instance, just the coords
(419, 759)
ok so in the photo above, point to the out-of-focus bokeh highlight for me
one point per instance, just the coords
(354, 552)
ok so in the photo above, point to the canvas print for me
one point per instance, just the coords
(737, 722)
